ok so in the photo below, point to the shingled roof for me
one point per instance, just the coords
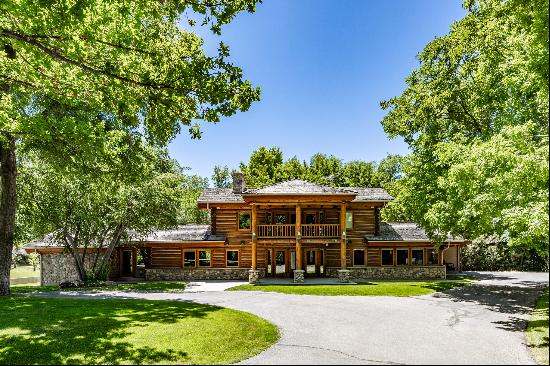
(293, 187)
(182, 233)
(403, 231)
(298, 186)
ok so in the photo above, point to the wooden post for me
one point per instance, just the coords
(343, 262)
(298, 237)
(254, 246)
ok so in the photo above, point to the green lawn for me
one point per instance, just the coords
(36, 330)
(140, 286)
(360, 289)
(537, 330)
(24, 271)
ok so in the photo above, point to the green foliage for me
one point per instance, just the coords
(266, 166)
(494, 254)
(34, 260)
(475, 115)
(90, 210)
(129, 61)
(221, 177)
(537, 330)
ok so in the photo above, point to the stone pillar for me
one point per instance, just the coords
(344, 275)
(299, 276)
(253, 276)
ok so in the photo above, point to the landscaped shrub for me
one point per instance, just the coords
(490, 254)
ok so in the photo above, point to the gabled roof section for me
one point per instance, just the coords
(298, 186)
(219, 195)
(403, 231)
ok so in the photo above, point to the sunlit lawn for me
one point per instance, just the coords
(35, 330)
(360, 289)
(537, 330)
(24, 271)
(139, 286)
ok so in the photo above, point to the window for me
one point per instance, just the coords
(402, 257)
(268, 218)
(232, 258)
(432, 258)
(349, 220)
(417, 257)
(280, 218)
(358, 257)
(387, 257)
(311, 218)
(189, 259)
(244, 221)
(204, 258)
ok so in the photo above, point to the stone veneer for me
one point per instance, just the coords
(181, 274)
(393, 273)
(59, 267)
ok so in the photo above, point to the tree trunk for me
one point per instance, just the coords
(8, 197)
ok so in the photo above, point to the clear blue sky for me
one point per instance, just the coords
(323, 67)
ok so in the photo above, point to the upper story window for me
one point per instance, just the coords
(244, 221)
(349, 220)
(280, 218)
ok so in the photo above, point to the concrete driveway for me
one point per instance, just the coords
(478, 324)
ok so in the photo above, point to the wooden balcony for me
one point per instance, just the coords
(289, 231)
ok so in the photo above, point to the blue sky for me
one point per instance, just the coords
(323, 67)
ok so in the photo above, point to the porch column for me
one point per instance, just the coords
(343, 238)
(298, 237)
(253, 226)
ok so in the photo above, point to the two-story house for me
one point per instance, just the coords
(292, 229)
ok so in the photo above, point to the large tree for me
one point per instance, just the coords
(475, 115)
(129, 64)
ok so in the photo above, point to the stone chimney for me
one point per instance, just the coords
(238, 182)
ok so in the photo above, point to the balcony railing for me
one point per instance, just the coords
(320, 230)
(307, 231)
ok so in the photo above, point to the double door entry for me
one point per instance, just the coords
(282, 262)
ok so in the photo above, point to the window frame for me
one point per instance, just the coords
(244, 212)
(427, 258)
(238, 258)
(352, 221)
(423, 256)
(195, 260)
(364, 258)
(198, 258)
(382, 257)
(407, 259)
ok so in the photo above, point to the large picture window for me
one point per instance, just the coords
(387, 257)
(417, 257)
(232, 258)
(358, 257)
(189, 259)
(402, 257)
(204, 258)
(244, 221)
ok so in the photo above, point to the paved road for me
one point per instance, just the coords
(478, 324)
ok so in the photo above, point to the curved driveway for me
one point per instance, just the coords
(478, 324)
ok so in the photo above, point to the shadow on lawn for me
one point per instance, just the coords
(56, 331)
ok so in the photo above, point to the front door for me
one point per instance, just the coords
(314, 262)
(281, 263)
(126, 262)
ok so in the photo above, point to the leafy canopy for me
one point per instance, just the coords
(475, 115)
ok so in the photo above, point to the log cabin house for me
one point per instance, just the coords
(294, 229)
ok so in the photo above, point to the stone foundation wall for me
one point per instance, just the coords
(59, 267)
(180, 274)
(393, 273)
